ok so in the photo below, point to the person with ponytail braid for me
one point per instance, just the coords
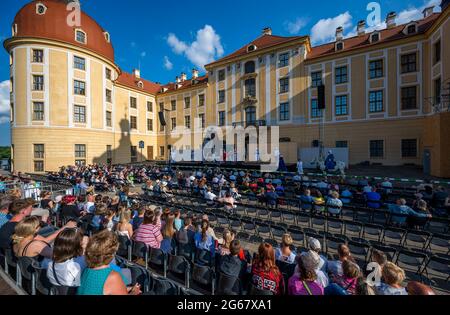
(203, 240)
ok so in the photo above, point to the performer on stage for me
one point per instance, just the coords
(330, 163)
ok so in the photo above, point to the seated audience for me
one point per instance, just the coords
(334, 204)
(392, 280)
(203, 240)
(231, 264)
(124, 227)
(304, 280)
(285, 254)
(335, 267)
(99, 278)
(265, 273)
(168, 233)
(150, 230)
(68, 260)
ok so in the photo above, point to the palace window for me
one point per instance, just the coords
(108, 95)
(187, 122)
(79, 63)
(341, 144)
(38, 82)
(376, 148)
(437, 52)
(38, 55)
(79, 87)
(316, 79)
(108, 119)
(249, 67)
(39, 151)
(376, 102)
(283, 60)
(38, 111)
(80, 151)
(285, 111)
(284, 85)
(222, 96)
(133, 102)
(79, 114)
(187, 102)
(341, 75)
(133, 154)
(161, 151)
(201, 100)
(108, 74)
(80, 36)
(375, 37)
(437, 91)
(250, 87)
(39, 166)
(201, 117)
(376, 69)
(221, 118)
(409, 98)
(315, 111)
(174, 123)
(409, 148)
(149, 124)
(250, 115)
(173, 105)
(409, 63)
(221, 75)
(341, 105)
(133, 122)
(150, 107)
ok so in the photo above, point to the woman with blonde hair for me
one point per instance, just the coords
(285, 254)
(392, 280)
(124, 226)
(26, 242)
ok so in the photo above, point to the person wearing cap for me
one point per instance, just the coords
(314, 245)
(304, 280)
(5, 202)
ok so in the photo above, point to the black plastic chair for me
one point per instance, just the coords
(360, 251)
(179, 266)
(163, 286)
(254, 291)
(277, 233)
(11, 263)
(372, 232)
(125, 247)
(332, 245)
(186, 250)
(439, 243)
(318, 223)
(204, 276)
(263, 231)
(334, 226)
(229, 285)
(204, 257)
(412, 263)
(139, 274)
(353, 229)
(390, 251)
(158, 260)
(436, 273)
(297, 236)
(416, 239)
(28, 272)
(393, 236)
(141, 250)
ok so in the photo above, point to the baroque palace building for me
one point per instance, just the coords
(386, 93)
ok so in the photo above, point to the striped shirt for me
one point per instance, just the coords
(149, 234)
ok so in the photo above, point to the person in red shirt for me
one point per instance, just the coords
(265, 273)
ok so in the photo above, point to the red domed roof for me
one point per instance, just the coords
(53, 25)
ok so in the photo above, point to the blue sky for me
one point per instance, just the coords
(168, 37)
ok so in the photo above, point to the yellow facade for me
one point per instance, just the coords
(60, 132)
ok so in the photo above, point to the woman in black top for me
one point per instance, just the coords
(69, 209)
(46, 201)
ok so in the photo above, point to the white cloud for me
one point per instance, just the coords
(325, 29)
(4, 97)
(206, 47)
(296, 26)
(143, 54)
(168, 65)
(4, 120)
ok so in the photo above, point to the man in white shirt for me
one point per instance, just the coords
(209, 195)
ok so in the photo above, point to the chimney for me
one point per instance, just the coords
(390, 20)
(137, 73)
(445, 4)
(428, 11)
(339, 33)
(361, 28)
(183, 77)
(194, 74)
(267, 31)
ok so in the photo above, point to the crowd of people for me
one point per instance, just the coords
(87, 264)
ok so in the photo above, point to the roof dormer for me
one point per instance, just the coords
(141, 85)
(40, 8)
(107, 37)
(410, 29)
(339, 46)
(375, 37)
(251, 48)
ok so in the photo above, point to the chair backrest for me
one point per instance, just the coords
(26, 267)
(254, 291)
(229, 285)
(124, 243)
(43, 284)
(203, 257)
(163, 286)
(157, 257)
(140, 249)
(410, 260)
(178, 264)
